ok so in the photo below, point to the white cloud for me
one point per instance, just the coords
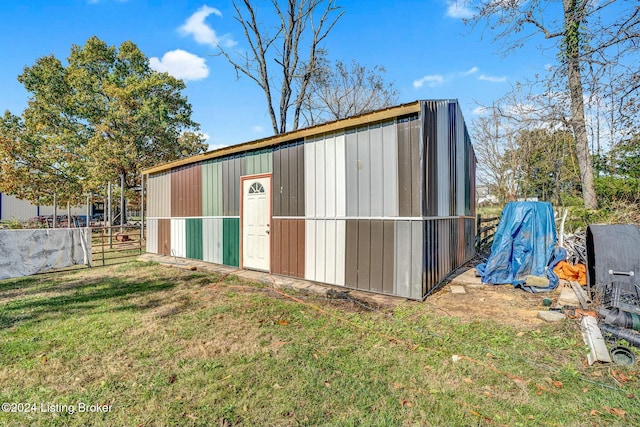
(181, 65)
(479, 110)
(257, 129)
(470, 71)
(492, 79)
(459, 9)
(431, 80)
(203, 33)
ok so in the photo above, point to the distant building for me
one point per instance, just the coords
(12, 208)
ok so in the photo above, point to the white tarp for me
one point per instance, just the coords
(26, 252)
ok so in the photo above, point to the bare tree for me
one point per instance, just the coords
(342, 90)
(298, 33)
(582, 39)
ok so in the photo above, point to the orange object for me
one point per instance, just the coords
(576, 273)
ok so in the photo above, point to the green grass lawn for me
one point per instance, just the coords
(156, 345)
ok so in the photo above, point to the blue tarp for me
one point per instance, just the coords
(524, 244)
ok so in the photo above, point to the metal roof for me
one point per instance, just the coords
(387, 113)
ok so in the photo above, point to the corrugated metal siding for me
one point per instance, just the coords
(152, 235)
(430, 161)
(449, 243)
(389, 169)
(259, 162)
(186, 191)
(164, 236)
(193, 230)
(159, 195)
(231, 241)
(370, 260)
(288, 247)
(372, 167)
(453, 157)
(409, 258)
(212, 240)
(178, 238)
(409, 166)
(288, 180)
(212, 188)
(461, 170)
(443, 165)
(325, 251)
(472, 180)
(325, 181)
(232, 169)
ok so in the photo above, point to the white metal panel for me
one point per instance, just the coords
(152, 235)
(330, 251)
(330, 176)
(443, 158)
(341, 178)
(14, 208)
(341, 226)
(178, 237)
(159, 195)
(212, 240)
(309, 178)
(416, 259)
(403, 259)
(256, 221)
(390, 168)
(351, 174)
(364, 173)
(310, 249)
(321, 251)
(377, 171)
(320, 173)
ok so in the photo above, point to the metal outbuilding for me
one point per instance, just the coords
(382, 202)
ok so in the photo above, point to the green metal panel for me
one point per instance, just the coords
(231, 241)
(259, 162)
(193, 231)
(212, 188)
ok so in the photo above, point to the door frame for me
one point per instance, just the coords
(242, 180)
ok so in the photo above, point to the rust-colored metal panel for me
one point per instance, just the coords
(364, 254)
(287, 242)
(276, 246)
(404, 167)
(164, 236)
(186, 191)
(300, 239)
(377, 256)
(388, 255)
(285, 251)
(351, 267)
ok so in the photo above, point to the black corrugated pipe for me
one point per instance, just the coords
(622, 318)
(632, 337)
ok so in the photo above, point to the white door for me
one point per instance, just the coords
(256, 218)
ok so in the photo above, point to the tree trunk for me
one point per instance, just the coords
(573, 19)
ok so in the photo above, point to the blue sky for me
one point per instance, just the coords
(427, 50)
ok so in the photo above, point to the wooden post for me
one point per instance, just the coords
(110, 217)
(55, 211)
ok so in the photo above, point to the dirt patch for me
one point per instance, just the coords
(501, 303)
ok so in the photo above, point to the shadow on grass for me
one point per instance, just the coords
(108, 293)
